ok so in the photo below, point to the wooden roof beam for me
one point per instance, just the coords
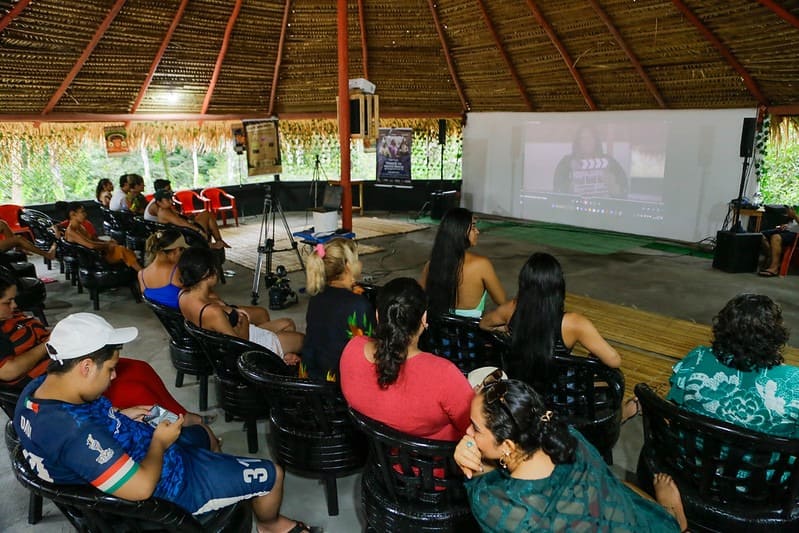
(448, 58)
(505, 56)
(639, 68)
(780, 11)
(155, 117)
(725, 52)
(159, 55)
(14, 13)
(553, 38)
(109, 18)
(364, 49)
(279, 58)
(231, 22)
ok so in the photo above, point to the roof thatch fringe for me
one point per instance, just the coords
(784, 129)
(210, 135)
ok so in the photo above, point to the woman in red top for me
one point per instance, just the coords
(388, 378)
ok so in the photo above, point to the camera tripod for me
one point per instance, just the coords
(266, 240)
(318, 173)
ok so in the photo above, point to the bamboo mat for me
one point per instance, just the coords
(244, 241)
(649, 343)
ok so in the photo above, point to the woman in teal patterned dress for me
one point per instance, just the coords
(740, 378)
(549, 477)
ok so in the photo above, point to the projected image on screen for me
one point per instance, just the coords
(610, 169)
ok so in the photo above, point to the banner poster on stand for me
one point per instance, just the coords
(116, 141)
(263, 147)
(394, 157)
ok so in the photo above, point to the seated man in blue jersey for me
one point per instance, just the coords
(71, 434)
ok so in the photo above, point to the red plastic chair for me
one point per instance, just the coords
(787, 256)
(10, 214)
(185, 200)
(215, 196)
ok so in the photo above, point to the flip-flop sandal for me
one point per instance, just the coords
(637, 403)
(300, 527)
(767, 273)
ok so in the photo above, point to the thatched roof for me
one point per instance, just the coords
(427, 57)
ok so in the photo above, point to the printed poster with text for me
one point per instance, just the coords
(394, 156)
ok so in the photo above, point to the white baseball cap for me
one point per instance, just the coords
(80, 334)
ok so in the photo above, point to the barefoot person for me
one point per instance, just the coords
(71, 434)
(528, 472)
(9, 241)
(111, 250)
(203, 222)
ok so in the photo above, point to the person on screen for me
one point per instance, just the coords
(588, 170)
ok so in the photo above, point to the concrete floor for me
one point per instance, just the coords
(680, 286)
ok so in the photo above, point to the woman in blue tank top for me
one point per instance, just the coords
(159, 281)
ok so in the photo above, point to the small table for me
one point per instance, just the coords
(359, 184)
(757, 213)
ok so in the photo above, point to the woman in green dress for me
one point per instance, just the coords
(741, 378)
(549, 478)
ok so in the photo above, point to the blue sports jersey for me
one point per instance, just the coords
(91, 442)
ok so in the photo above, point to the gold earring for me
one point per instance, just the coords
(503, 462)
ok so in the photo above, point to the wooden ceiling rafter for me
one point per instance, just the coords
(465, 106)
(724, 50)
(279, 58)
(87, 51)
(159, 55)
(504, 53)
(14, 13)
(556, 42)
(639, 68)
(778, 10)
(220, 58)
(154, 117)
(364, 48)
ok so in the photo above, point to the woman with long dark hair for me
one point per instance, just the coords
(198, 302)
(538, 324)
(455, 279)
(528, 472)
(388, 378)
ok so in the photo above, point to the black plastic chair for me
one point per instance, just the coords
(68, 256)
(17, 262)
(730, 478)
(311, 434)
(187, 357)
(42, 227)
(31, 294)
(136, 236)
(410, 483)
(237, 396)
(9, 394)
(117, 223)
(91, 510)
(587, 395)
(461, 340)
(97, 275)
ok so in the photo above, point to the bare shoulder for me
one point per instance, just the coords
(575, 322)
(476, 260)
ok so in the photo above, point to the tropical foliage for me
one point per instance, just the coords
(779, 169)
(66, 164)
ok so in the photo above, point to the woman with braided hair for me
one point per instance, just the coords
(388, 378)
(528, 472)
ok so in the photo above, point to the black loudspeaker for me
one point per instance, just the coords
(441, 202)
(747, 137)
(442, 131)
(737, 252)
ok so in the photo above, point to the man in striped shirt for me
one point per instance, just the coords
(71, 434)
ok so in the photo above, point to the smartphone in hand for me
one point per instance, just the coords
(155, 415)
